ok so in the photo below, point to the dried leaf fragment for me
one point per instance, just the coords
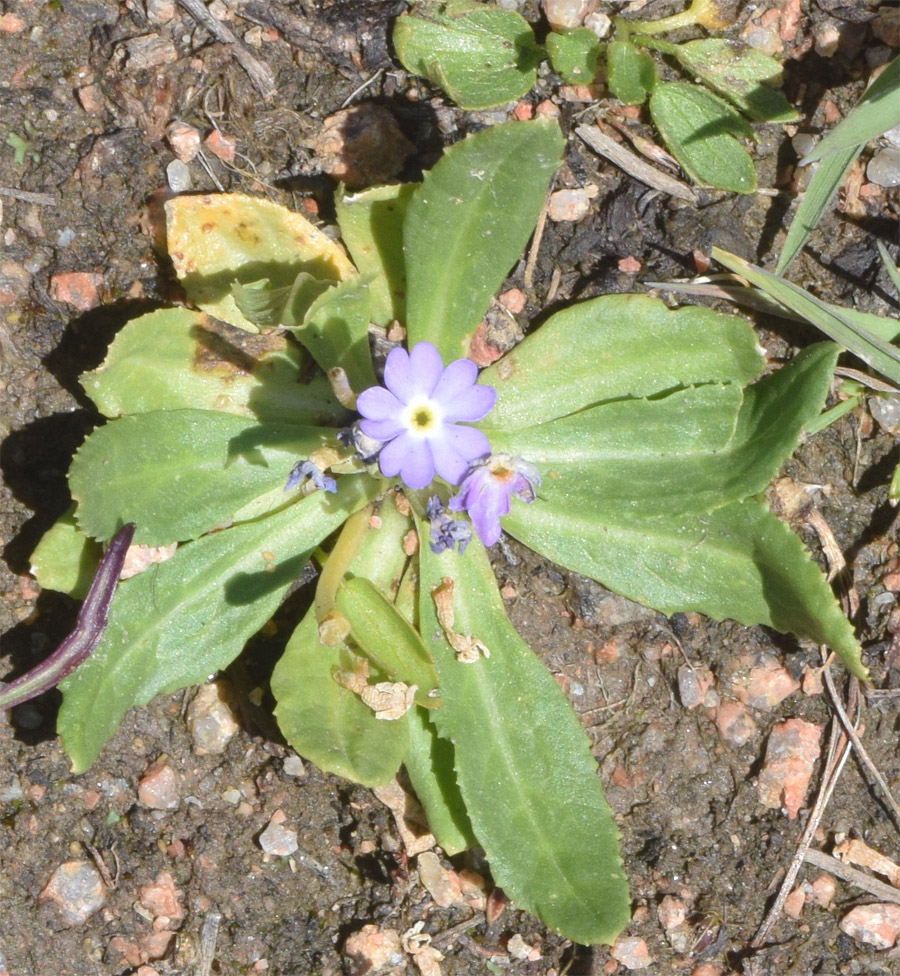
(468, 649)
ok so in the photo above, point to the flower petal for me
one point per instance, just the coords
(448, 462)
(381, 430)
(469, 441)
(472, 404)
(411, 374)
(458, 378)
(410, 458)
(376, 403)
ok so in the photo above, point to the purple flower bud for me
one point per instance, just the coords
(445, 531)
(418, 412)
(486, 491)
(306, 469)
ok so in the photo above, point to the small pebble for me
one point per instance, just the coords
(441, 884)
(793, 904)
(734, 723)
(159, 788)
(221, 145)
(76, 888)
(823, 890)
(672, 912)
(178, 176)
(877, 925)
(184, 140)
(210, 718)
(293, 766)
(277, 839)
(766, 685)
(632, 953)
(162, 898)
(80, 289)
(373, 949)
(791, 753)
(570, 205)
(884, 168)
(565, 14)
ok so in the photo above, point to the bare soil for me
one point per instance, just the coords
(86, 92)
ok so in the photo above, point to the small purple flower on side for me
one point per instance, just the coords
(487, 489)
(306, 469)
(418, 416)
(445, 531)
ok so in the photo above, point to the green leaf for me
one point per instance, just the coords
(574, 54)
(846, 331)
(746, 77)
(614, 347)
(430, 762)
(676, 454)
(215, 241)
(457, 250)
(480, 55)
(386, 637)
(872, 116)
(818, 196)
(188, 617)
(700, 130)
(523, 762)
(336, 331)
(326, 723)
(269, 307)
(371, 224)
(735, 562)
(65, 559)
(176, 358)
(178, 473)
(321, 719)
(632, 75)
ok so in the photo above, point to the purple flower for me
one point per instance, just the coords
(487, 489)
(418, 416)
(446, 533)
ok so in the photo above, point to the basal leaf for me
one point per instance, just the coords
(676, 454)
(735, 562)
(215, 241)
(457, 251)
(614, 347)
(178, 473)
(746, 77)
(523, 762)
(430, 762)
(175, 358)
(574, 54)
(480, 55)
(371, 224)
(336, 331)
(269, 307)
(326, 723)
(700, 129)
(387, 638)
(186, 618)
(65, 559)
(323, 720)
(632, 74)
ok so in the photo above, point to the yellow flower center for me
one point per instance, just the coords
(422, 418)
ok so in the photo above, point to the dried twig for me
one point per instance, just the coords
(857, 742)
(633, 165)
(26, 196)
(260, 74)
(209, 934)
(536, 239)
(882, 891)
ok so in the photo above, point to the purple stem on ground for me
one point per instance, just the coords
(88, 630)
